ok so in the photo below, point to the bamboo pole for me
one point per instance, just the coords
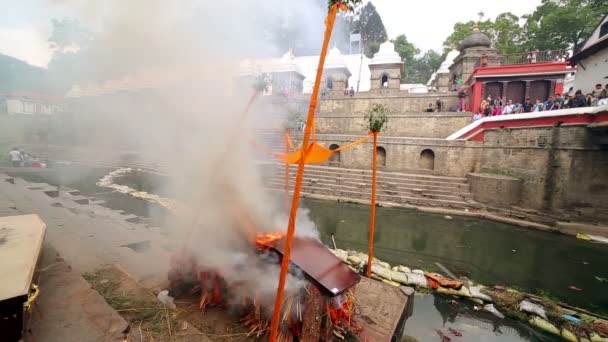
(286, 171)
(276, 314)
(372, 215)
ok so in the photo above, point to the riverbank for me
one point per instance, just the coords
(567, 228)
(95, 221)
(559, 319)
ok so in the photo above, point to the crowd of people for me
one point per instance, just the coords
(498, 106)
(19, 158)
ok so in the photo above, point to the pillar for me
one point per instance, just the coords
(552, 88)
(559, 86)
(504, 90)
(527, 92)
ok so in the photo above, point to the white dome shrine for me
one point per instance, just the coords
(287, 63)
(386, 54)
(335, 59)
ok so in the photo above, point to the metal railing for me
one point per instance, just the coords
(534, 56)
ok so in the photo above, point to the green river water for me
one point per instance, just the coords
(487, 252)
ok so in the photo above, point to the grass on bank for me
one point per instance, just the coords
(148, 319)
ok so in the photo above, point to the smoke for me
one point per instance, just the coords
(192, 125)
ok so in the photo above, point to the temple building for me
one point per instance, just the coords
(386, 67)
(591, 60)
(475, 50)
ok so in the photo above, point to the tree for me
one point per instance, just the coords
(70, 42)
(68, 34)
(404, 48)
(505, 33)
(463, 30)
(421, 69)
(407, 51)
(563, 24)
(373, 32)
(554, 24)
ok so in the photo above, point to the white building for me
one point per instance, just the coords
(592, 60)
(27, 103)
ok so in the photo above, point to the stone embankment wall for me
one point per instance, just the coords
(559, 166)
(421, 124)
(361, 103)
(495, 189)
(415, 155)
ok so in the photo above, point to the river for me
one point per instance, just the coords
(487, 252)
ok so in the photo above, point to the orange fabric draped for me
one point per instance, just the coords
(315, 154)
(291, 227)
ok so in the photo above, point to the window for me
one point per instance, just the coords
(427, 160)
(381, 156)
(384, 82)
(335, 157)
(604, 29)
(330, 83)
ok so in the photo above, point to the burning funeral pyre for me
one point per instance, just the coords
(318, 306)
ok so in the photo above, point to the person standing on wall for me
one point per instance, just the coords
(509, 108)
(597, 94)
(603, 97)
(579, 100)
(538, 106)
(439, 105)
(558, 102)
(462, 95)
(549, 104)
(528, 106)
(485, 106)
(15, 157)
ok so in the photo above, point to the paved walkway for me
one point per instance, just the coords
(82, 238)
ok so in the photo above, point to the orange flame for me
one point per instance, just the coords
(265, 240)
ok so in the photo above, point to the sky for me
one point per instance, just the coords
(25, 25)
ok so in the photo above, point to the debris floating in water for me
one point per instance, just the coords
(500, 301)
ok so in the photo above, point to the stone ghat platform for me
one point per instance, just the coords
(400, 188)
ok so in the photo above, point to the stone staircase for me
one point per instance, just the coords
(392, 187)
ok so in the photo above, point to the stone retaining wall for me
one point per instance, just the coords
(361, 103)
(495, 189)
(423, 125)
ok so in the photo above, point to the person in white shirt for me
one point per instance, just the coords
(508, 108)
(15, 157)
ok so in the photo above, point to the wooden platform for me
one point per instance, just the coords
(20, 246)
(382, 309)
(20, 243)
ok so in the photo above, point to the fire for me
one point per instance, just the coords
(265, 240)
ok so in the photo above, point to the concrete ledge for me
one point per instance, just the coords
(495, 189)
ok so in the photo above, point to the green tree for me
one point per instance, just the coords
(564, 24)
(421, 69)
(373, 32)
(506, 33)
(70, 42)
(404, 48)
(68, 34)
(463, 30)
(407, 51)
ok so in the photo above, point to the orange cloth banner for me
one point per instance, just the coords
(291, 227)
(315, 154)
(353, 144)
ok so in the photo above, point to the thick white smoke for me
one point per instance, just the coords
(193, 125)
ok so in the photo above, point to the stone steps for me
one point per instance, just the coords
(392, 182)
(396, 199)
(382, 188)
(393, 187)
(380, 173)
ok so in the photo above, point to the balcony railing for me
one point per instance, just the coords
(534, 56)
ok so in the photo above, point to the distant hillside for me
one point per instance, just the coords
(17, 75)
